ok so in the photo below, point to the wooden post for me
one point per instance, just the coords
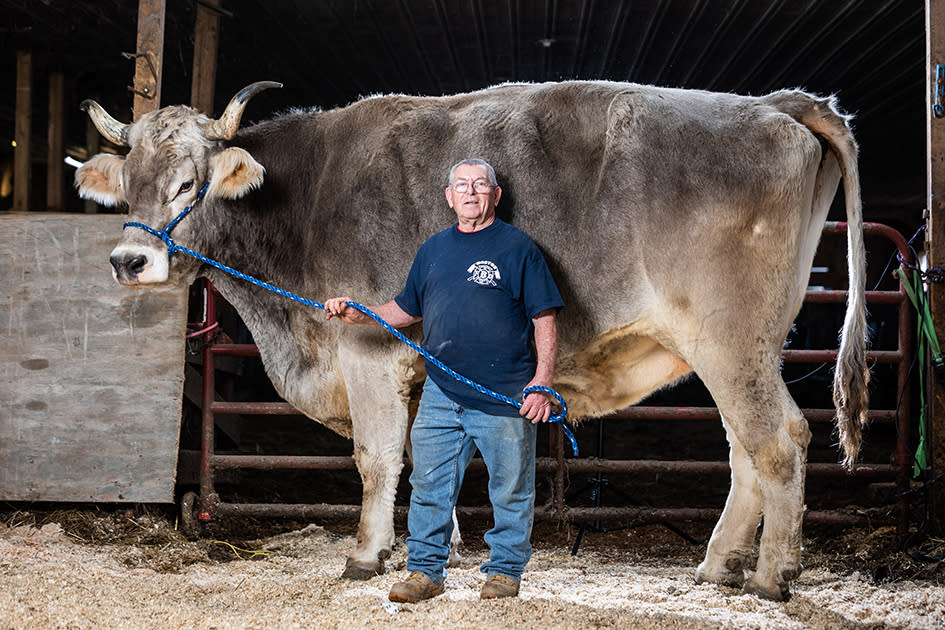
(935, 233)
(55, 154)
(206, 43)
(149, 60)
(21, 134)
(93, 141)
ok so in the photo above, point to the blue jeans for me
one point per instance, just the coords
(445, 437)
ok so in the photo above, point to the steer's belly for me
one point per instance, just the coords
(617, 369)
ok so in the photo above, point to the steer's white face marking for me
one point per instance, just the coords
(155, 269)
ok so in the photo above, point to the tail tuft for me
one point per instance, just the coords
(851, 400)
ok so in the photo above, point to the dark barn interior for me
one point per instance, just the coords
(869, 53)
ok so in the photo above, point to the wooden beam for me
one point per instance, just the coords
(206, 45)
(21, 133)
(54, 139)
(149, 58)
(935, 233)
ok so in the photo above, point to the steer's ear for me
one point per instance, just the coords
(234, 173)
(99, 179)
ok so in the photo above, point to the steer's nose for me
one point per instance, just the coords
(128, 264)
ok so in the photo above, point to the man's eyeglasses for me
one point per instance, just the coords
(479, 186)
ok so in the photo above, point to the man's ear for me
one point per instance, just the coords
(99, 179)
(449, 196)
(234, 173)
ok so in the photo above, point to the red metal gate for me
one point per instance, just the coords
(208, 504)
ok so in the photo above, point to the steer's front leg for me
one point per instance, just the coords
(378, 405)
(379, 476)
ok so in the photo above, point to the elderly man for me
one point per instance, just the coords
(489, 309)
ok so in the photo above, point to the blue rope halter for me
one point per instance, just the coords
(172, 248)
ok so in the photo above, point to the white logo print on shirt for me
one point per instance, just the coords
(484, 272)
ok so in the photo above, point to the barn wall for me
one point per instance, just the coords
(91, 374)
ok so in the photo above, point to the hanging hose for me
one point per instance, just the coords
(928, 342)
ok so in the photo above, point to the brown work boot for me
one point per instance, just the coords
(497, 586)
(417, 587)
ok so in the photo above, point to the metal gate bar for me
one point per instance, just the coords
(556, 464)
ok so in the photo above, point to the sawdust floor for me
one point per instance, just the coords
(130, 568)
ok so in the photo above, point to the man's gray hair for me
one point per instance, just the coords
(474, 162)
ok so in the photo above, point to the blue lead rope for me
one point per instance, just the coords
(173, 247)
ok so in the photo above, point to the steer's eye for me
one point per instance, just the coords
(185, 187)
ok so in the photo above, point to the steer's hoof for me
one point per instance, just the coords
(455, 559)
(734, 580)
(779, 593)
(732, 575)
(355, 570)
(789, 575)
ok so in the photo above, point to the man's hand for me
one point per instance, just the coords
(537, 405)
(338, 307)
(389, 312)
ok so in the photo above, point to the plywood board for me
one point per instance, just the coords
(91, 373)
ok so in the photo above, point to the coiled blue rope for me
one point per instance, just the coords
(173, 247)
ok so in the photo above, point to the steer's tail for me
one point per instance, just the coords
(850, 392)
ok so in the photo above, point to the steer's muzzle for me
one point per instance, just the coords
(137, 265)
(127, 267)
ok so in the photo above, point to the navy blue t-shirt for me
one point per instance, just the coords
(477, 293)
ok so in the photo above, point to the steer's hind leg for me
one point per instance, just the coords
(768, 425)
(728, 556)
(782, 466)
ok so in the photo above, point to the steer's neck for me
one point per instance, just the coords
(257, 242)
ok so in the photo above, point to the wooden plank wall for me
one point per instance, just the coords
(91, 373)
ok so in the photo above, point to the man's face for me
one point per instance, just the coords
(473, 209)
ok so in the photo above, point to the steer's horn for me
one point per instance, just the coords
(114, 131)
(225, 128)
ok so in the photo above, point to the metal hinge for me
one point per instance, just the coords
(938, 109)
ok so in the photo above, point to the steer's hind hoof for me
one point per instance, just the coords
(732, 580)
(780, 593)
(355, 570)
(730, 575)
